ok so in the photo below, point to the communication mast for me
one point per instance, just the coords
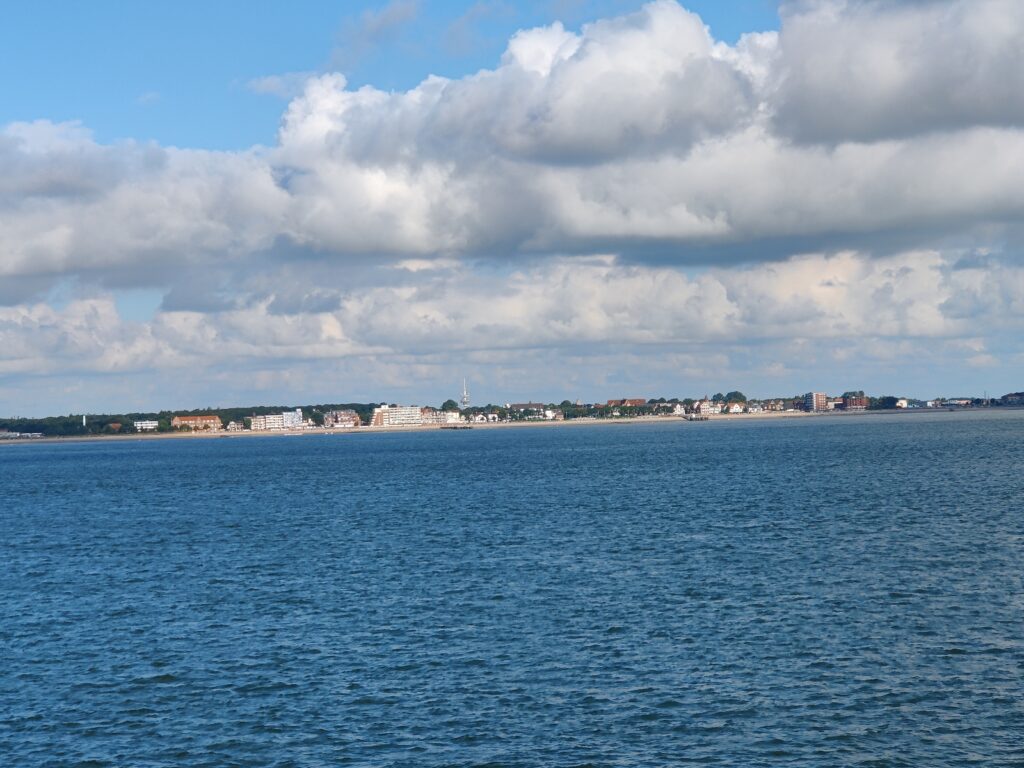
(464, 400)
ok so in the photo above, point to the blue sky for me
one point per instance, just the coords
(178, 73)
(234, 203)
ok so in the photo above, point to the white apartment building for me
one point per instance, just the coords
(397, 416)
(277, 421)
(146, 426)
(267, 422)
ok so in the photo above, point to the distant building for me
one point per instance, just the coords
(706, 407)
(146, 426)
(538, 411)
(197, 423)
(266, 422)
(434, 416)
(235, 426)
(902, 403)
(855, 404)
(523, 407)
(5, 435)
(344, 419)
(635, 402)
(277, 421)
(397, 416)
(815, 401)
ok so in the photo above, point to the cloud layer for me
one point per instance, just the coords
(822, 182)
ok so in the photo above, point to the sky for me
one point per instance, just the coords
(213, 204)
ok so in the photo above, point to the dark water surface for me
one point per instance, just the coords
(815, 592)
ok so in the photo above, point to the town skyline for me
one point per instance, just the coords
(475, 402)
(381, 414)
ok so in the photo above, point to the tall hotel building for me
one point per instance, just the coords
(815, 401)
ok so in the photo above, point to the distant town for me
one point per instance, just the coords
(461, 414)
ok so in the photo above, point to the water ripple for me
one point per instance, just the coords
(808, 593)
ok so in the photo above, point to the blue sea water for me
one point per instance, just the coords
(812, 592)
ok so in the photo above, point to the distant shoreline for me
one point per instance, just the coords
(222, 434)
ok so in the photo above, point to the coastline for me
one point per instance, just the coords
(733, 417)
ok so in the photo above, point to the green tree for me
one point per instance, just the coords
(736, 397)
(449, 405)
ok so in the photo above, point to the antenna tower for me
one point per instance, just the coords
(464, 400)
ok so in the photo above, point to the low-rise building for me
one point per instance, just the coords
(707, 407)
(343, 419)
(524, 407)
(197, 423)
(146, 425)
(633, 402)
(433, 416)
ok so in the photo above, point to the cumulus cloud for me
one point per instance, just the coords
(463, 215)
(71, 207)
(640, 135)
(867, 71)
(564, 303)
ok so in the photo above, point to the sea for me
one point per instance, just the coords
(833, 591)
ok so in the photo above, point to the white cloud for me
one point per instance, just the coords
(285, 86)
(564, 304)
(460, 216)
(865, 71)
